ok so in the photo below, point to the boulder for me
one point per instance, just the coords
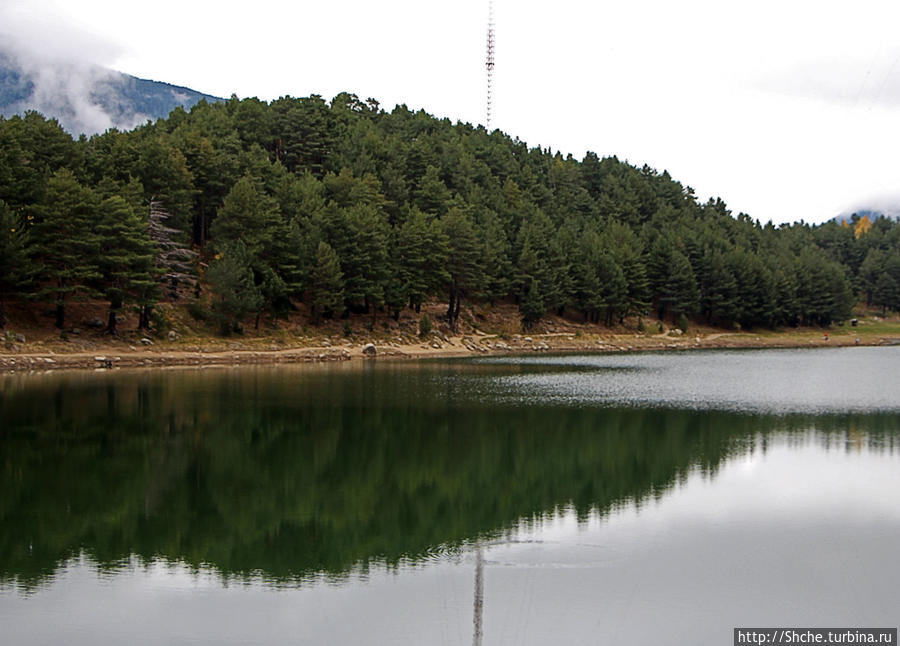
(20, 338)
(369, 350)
(146, 341)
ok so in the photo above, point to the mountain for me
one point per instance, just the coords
(86, 98)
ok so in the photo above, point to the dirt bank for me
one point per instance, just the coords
(42, 356)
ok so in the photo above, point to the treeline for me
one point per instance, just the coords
(351, 209)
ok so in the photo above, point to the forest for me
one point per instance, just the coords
(246, 211)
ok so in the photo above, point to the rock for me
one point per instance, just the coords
(146, 341)
(435, 345)
(96, 323)
(173, 335)
(326, 343)
(528, 339)
(75, 331)
(369, 350)
(20, 338)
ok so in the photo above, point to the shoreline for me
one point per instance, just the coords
(185, 354)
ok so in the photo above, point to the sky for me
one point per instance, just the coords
(786, 110)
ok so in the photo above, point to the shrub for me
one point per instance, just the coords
(198, 311)
(159, 322)
(424, 326)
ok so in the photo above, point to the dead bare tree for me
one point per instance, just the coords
(174, 258)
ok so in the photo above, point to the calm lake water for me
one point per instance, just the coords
(618, 499)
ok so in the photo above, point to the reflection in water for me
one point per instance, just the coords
(288, 475)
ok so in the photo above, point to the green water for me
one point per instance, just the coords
(603, 499)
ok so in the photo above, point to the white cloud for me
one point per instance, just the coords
(64, 64)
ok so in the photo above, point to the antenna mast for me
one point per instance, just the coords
(489, 63)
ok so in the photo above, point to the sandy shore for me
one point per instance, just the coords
(185, 353)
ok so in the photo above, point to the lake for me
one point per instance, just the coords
(630, 498)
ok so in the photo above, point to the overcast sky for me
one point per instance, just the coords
(787, 110)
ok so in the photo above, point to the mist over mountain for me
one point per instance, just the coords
(84, 97)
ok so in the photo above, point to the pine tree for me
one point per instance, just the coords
(463, 258)
(532, 304)
(613, 288)
(886, 293)
(248, 215)
(326, 285)
(495, 258)
(681, 294)
(871, 269)
(421, 250)
(718, 291)
(432, 195)
(67, 249)
(235, 294)
(126, 262)
(15, 265)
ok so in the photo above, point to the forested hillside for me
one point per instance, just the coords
(253, 209)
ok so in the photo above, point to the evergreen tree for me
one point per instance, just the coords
(463, 262)
(247, 215)
(235, 294)
(421, 250)
(870, 270)
(67, 249)
(719, 296)
(432, 195)
(681, 294)
(784, 295)
(15, 265)
(326, 285)
(886, 293)
(495, 259)
(127, 272)
(613, 289)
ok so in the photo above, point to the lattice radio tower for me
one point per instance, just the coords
(489, 62)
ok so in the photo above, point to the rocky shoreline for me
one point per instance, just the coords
(164, 355)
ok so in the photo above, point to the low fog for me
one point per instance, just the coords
(62, 73)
